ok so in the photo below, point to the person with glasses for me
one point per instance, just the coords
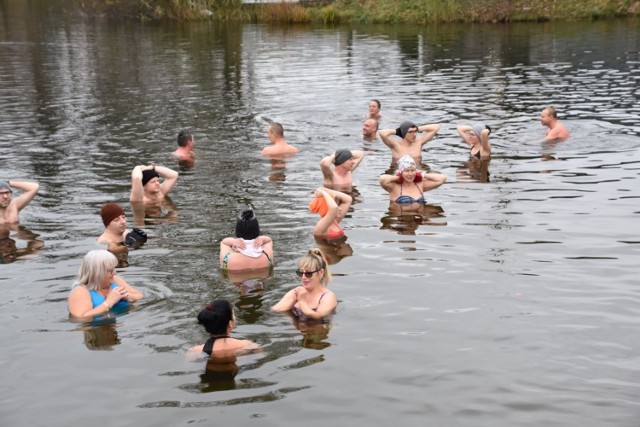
(477, 137)
(9, 207)
(409, 142)
(98, 289)
(185, 147)
(312, 299)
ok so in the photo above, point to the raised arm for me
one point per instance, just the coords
(170, 178)
(484, 140)
(385, 136)
(358, 155)
(137, 191)
(325, 166)
(344, 203)
(388, 181)
(429, 132)
(325, 222)
(463, 131)
(29, 189)
(432, 180)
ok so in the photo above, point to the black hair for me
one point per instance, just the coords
(377, 102)
(184, 137)
(247, 226)
(216, 316)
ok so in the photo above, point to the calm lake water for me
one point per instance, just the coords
(511, 300)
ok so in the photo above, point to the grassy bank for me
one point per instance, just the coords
(364, 11)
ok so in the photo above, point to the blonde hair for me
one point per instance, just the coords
(314, 260)
(95, 266)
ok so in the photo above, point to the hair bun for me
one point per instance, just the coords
(247, 215)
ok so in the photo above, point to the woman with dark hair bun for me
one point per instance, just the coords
(219, 319)
(248, 250)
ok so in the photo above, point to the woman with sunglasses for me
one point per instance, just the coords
(98, 289)
(477, 137)
(312, 299)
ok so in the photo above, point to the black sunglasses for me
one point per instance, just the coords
(307, 274)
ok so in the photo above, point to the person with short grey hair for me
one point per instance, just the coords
(98, 288)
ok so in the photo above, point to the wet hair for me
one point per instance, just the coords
(314, 260)
(95, 266)
(377, 103)
(215, 317)
(277, 128)
(247, 226)
(552, 111)
(184, 137)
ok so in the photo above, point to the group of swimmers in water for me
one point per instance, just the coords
(99, 290)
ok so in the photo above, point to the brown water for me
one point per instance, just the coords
(512, 300)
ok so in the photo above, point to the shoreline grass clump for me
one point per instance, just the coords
(362, 11)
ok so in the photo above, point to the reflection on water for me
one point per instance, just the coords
(101, 336)
(219, 374)
(405, 218)
(12, 249)
(475, 170)
(314, 333)
(334, 250)
(535, 268)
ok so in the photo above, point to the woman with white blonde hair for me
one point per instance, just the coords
(98, 289)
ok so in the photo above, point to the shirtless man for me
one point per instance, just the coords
(557, 131)
(345, 162)
(146, 186)
(9, 207)
(278, 146)
(370, 130)
(185, 146)
(410, 143)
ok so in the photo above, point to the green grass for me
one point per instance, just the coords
(364, 11)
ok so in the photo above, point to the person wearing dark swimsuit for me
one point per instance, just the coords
(219, 320)
(312, 299)
(477, 136)
(408, 185)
